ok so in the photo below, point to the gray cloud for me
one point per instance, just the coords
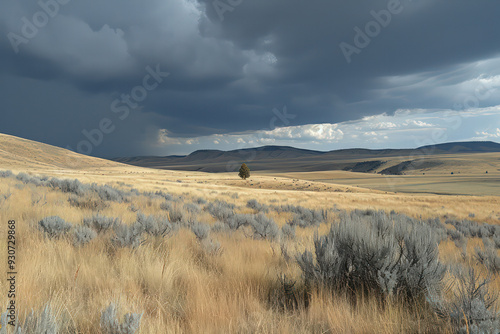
(226, 76)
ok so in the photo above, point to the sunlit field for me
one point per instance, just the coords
(190, 252)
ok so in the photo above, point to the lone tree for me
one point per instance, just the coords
(244, 172)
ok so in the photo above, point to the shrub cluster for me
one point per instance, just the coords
(200, 230)
(264, 227)
(167, 206)
(488, 257)
(154, 226)
(110, 324)
(220, 209)
(83, 235)
(192, 208)
(159, 194)
(377, 256)
(28, 179)
(303, 217)
(107, 193)
(238, 220)
(175, 213)
(131, 235)
(46, 322)
(54, 226)
(211, 246)
(100, 224)
(473, 307)
(288, 231)
(43, 323)
(255, 205)
(200, 201)
(74, 187)
(87, 202)
(5, 173)
(202, 233)
(471, 229)
(127, 236)
(124, 235)
(69, 186)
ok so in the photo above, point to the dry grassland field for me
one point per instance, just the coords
(104, 247)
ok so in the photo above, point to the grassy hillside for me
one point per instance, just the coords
(22, 154)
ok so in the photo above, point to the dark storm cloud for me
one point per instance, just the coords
(227, 75)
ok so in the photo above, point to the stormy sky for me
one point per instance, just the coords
(122, 78)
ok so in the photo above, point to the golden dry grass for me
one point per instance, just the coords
(180, 287)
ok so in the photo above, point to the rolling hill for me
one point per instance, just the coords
(19, 153)
(290, 159)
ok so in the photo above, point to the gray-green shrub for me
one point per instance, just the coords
(83, 235)
(376, 255)
(473, 229)
(167, 206)
(69, 186)
(5, 173)
(54, 226)
(255, 205)
(473, 308)
(236, 221)
(264, 227)
(192, 208)
(108, 193)
(110, 324)
(302, 217)
(220, 209)
(43, 323)
(127, 236)
(176, 214)
(152, 225)
(211, 247)
(200, 201)
(200, 230)
(488, 257)
(100, 224)
(288, 231)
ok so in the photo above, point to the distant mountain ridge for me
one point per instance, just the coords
(465, 147)
(448, 158)
(266, 157)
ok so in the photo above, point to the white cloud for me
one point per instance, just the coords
(410, 128)
(489, 135)
(384, 125)
(417, 123)
(165, 139)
